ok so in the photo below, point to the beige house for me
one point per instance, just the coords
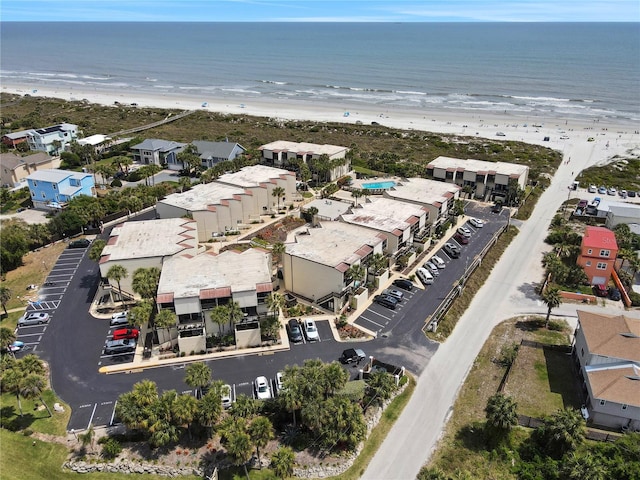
(486, 179)
(607, 353)
(192, 286)
(397, 221)
(437, 198)
(146, 244)
(283, 152)
(215, 207)
(259, 181)
(14, 169)
(316, 261)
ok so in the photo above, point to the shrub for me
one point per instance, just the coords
(116, 183)
(635, 298)
(27, 432)
(111, 448)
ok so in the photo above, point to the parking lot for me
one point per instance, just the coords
(49, 296)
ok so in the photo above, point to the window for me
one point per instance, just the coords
(605, 253)
(582, 352)
(35, 184)
(590, 251)
(43, 195)
(624, 407)
(55, 186)
(602, 402)
(601, 266)
(588, 264)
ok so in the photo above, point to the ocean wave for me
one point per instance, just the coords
(409, 92)
(273, 82)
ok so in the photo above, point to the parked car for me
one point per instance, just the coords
(600, 290)
(592, 188)
(429, 265)
(279, 384)
(425, 276)
(403, 283)
(611, 191)
(123, 333)
(310, 331)
(452, 250)
(14, 347)
(438, 262)
(33, 318)
(500, 134)
(114, 347)
(631, 193)
(391, 292)
(295, 333)
(263, 390)
(464, 231)
(582, 203)
(461, 239)
(225, 395)
(476, 222)
(386, 301)
(80, 243)
(352, 355)
(614, 294)
(602, 190)
(120, 318)
(623, 193)
(497, 208)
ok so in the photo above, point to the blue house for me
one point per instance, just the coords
(52, 189)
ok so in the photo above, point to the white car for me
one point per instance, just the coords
(464, 231)
(425, 276)
(263, 390)
(225, 395)
(593, 189)
(279, 383)
(429, 265)
(310, 331)
(611, 191)
(120, 318)
(438, 262)
(476, 222)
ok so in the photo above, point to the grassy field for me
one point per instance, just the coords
(621, 174)
(463, 446)
(35, 416)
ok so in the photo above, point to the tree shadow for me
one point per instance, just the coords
(530, 325)
(473, 437)
(530, 290)
(11, 419)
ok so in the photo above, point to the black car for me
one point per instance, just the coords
(294, 330)
(497, 208)
(80, 243)
(614, 294)
(386, 301)
(351, 355)
(404, 284)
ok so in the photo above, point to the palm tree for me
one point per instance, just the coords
(501, 414)
(234, 312)
(260, 431)
(356, 194)
(565, 430)
(12, 382)
(117, 273)
(552, 299)
(145, 282)
(5, 296)
(377, 263)
(380, 386)
(278, 192)
(244, 407)
(95, 252)
(237, 442)
(31, 364)
(140, 314)
(197, 375)
(86, 438)
(356, 272)
(584, 467)
(282, 462)
(7, 337)
(220, 316)
(32, 386)
(275, 301)
(210, 407)
(277, 249)
(165, 319)
(145, 393)
(184, 410)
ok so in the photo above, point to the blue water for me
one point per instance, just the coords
(587, 70)
(379, 185)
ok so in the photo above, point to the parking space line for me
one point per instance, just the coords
(380, 315)
(371, 321)
(113, 414)
(95, 405)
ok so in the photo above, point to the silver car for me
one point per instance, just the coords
(33, 318)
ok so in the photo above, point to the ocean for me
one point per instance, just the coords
(577, 70)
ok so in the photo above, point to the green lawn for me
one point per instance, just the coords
(33, 418)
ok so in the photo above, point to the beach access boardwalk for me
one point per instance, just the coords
(170, 118)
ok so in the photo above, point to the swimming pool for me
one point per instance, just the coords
(379, 185)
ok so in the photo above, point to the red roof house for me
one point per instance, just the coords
(598, 253)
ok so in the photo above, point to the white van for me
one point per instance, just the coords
(425, 276)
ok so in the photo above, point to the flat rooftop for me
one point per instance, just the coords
(303, 148)
(333, 243)
(422, 190)
(331, 209)
(499, 168)
(202, 196)
(185, 276)
(385, 214)
(151, 238)
(253, 176)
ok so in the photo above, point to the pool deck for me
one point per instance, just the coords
(358, 183)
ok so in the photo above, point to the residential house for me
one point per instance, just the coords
(14, 169)
(154, 151)
(215, 207)
(52, 140)
(51, 189)
(598, 252)
(13, 139)
(212, 153)
(316, 261)
(145, 244)
(488, 180)
(99, 142)
(193, 286)
(284, 153)
(607, 353)
(627, 214)
(437, 198)
(397, 221)
(260, 181)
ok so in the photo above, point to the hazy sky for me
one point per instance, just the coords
(322, 11)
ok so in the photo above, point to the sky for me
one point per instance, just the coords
(321, 11)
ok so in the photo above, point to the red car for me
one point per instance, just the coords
(461, 239)
(124, 333)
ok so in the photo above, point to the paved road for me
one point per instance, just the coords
(509, 291)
